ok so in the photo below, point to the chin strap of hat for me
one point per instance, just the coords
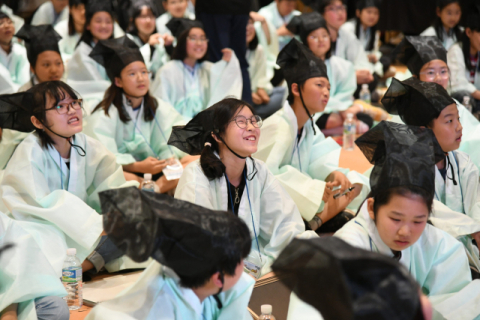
(81, 152)
(449, 164)
(221, 139)
(215, 296)
(306, 110)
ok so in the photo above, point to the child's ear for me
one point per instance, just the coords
(294, 89)
(439, 12)
(118, 82)
(370, 203)
(216, 280)
(36, 123)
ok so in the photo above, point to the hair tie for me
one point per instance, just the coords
(207, 144)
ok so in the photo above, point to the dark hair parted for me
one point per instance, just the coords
(228, 263)
(373, 32)
(113, 95)
(180, 51)
(438, 25)
(58, 91)
(225, 111)
(325, 3)
(87, 36)
(71, 23)
(135, 13)
(304, 39)
(383, 196)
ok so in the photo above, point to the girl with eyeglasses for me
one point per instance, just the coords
(129, 121)
(55, 174)
(296, 151)
(143, 32)
(227, 178)
(190, 83)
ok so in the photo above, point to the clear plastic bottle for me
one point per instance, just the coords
(365, 94)
(72, 280)
(466, 103)
(349, 132)
(266, 310)
(148, 184)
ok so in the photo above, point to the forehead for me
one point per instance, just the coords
(335, 3)
(102, 15)
(319, 31)
(437, 63)
(5, 19)
(196, 32)
(244, 111)
(49, 54)
(450, 109)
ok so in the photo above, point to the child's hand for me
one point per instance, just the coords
(256, 98)
(372, 58)
(257, 17)
(167, 40)
(227, 54)
(151, 165)
(263, 95)
(154, 39)
(363, 76)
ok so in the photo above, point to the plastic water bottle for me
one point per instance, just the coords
(148, 184)
(365, 95)
(467, 104)
(72, 280)
(266, 312)
(349, 132)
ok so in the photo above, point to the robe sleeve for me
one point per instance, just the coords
(298, 309)
(7, 86)
(10, 140)
(235, 301)
(271, 49)
(162, 85)
(355, 234)
(194, 187)
(355, 52)
(258, 71)
(456, 64)
(83, 68)
(456, 224)
(469, 179)
(345, 86)
(225, 80)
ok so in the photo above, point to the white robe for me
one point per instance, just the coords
(364, 39)
(189, 94)
(343, 83)
(61, 205)
(258, 70)
(25, 272)
(68, 42)
(155, 61)
(459, 74)
(83, 68)
(16, 68)
(158, 295)
(437, 261)
(350, 48)
(449, 39)
(271, 14)
(45, 14)
(302, 169)
(264, 202)
(162, 20)
(130, 144)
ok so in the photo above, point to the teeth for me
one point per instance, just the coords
(251, 139)
(72, 120)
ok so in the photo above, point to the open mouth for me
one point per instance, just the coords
(250, 138)
(72, 120)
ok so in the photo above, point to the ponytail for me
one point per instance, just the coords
(212, 166)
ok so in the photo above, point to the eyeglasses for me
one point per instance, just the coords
(432, 74)
(341, 8)
(318, 38)
(242, 121)
(5, 22)
(197, 40)
(63, 108)
(143, 74)
(146, 17)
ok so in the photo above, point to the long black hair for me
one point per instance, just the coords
(473, 24)
(135, 13)
(226, 109)
(438, 24)
(373, 31)
(180, 51)
(58, 90)
(71, 23)
(87, 36)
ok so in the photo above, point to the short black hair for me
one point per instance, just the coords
(58, 90)
(180, 51)
(383, 196)
(135, 13)
(304, 39)
(325, 3)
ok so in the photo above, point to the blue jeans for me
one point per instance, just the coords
(52, 308)
(105, 252)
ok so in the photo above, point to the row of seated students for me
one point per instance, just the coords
(270, 173)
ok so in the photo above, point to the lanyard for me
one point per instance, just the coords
(296, 147)
(250, 205)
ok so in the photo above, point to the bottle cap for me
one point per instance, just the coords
(364, 86)
(349, 116)
(71, 251)
(266, 309)
(147, 176)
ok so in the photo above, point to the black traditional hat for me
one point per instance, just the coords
(186, 237)
(362, 4)
(179, 25)
(39, 39)
(15, 111)
(361, 284)
(94, 6)
(74, 3)
(3, 15)
(116, 54)
(403, 156)
(305, 23)
(416, 51)
(416, 102)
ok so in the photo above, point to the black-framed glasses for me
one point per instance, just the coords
(63, 108)
(242, 121)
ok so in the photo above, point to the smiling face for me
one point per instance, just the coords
(78, 13)
(176, 7)
(243, 141)
(67, 124)
(134, 79)
(448, 129)
(369, 16)
(450, 15)
(49, 66)
(101, 26)
(7, 30)
(196, 44)
(401, 221)
(335, 14)
(435, 71)
(145, 22)
(319, 42)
